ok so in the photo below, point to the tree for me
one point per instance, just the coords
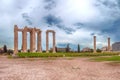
(78, 48)
(5, 48)
(56, 48)
(98, 50)
(91, 50)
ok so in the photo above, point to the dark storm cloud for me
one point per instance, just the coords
(56, 21)
(113, 30)
(52, 20)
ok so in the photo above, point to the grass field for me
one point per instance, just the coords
(109, 58)
(37, 55)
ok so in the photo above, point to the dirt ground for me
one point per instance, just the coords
(57, 69)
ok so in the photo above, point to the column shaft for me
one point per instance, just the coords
(32, 41)
(39, 48)
(15, 39)
(108, 44)
(31, 45)
(94, 44)
(47, 43)
(24, 40)
(54, 51)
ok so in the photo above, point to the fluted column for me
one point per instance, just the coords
(109, 44)
(24, 40)
(54, 51)
(15, 39)
(31, 45)
(32, 40)
(39, 48)
(94, 44)
(47, 42)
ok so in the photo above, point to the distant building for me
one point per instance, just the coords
(105, 48)
(60, 49)
(87, 49)
(116, 46)
(1, 50)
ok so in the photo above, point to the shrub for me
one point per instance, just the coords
(31, 55)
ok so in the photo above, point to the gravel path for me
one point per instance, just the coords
(58, 69)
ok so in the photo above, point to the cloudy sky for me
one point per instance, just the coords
(75, 21)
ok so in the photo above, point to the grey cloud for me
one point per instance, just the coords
(92, 34)
(78, 25)
(27, 18)
(56, 21)
(50, 4)
(52, 20)
(113, 29)
(108, 3)
(66, 29)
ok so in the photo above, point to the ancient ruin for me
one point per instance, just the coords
(47, 41)
(36, 33)
(32, 32)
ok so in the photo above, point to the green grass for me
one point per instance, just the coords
(37, 55)
(110, 58)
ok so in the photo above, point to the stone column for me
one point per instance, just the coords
(32, 40)
(24, 40)
(109, 44)
(94, 44)
(39, 48)
(31, 45)
(54, 51)
(47, 42)
(15, 39)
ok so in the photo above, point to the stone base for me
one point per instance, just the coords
(54, 52)
(14, 56)
(24, 51)
(94, 52)
(39, 51)
(47, 51)
(106, 51)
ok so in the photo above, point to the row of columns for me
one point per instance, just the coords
(94, 43)
(32, 32)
